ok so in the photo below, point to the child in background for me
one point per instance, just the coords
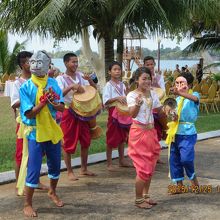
(116, 136)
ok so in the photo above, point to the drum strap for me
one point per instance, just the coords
(118, 89)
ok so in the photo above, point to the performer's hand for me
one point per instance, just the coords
(86, 76)
(174, 91)
(122, 100)
(139, 100)
(78, 88)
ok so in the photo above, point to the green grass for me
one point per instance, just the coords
(8, 125)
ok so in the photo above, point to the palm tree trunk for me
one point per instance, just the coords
(120, 47)
(109, 54)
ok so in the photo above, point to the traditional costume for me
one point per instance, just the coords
(182, 138)
(143, 145)
(42, 132)
(73, 126)
(117, 133)
(15, 97)
(158, 82)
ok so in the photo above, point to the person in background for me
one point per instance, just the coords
(177, 69)
(157, 78)
(116, 135)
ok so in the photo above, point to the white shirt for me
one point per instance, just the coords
(65, 80)
(109, 91)
(15, 97)
(145, 115)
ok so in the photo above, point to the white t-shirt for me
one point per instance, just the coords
(66, 80)
(145, 115)
(15, 97)
(109, 91)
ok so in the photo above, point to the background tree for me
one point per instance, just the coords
(8, 59)
(67, 18)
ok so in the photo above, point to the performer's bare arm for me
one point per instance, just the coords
(16, 105)
(75, 87)
(34, 111)
(185, 95)
(121, 99)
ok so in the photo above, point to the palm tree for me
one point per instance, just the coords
(8, 59)
(66, 18)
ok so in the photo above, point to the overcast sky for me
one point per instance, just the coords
(39, 43)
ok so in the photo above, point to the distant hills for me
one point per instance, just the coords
(165, 53)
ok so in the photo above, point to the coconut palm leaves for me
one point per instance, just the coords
(7, 59)
(66, 18)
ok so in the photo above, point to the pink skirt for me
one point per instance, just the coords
(144, 150)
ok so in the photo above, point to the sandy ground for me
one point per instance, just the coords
(110, 195)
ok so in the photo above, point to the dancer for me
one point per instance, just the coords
(143, 145)
(23, 62)
(182, 133)
(40, 98)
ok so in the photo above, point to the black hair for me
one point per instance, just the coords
(67, 56)
(140, 71)
(188, 76)
(183, 68)
(23, 55)
(171, 102)
(114, 63)
(148, 58)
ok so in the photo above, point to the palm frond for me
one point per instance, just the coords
(4, 51)
(11, 63)
(217, 64)
(203, 43)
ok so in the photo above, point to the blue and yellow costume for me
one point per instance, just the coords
(38, 143)
(182, 152)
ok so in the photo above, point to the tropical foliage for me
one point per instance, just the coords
(7, 58)
(66, 18)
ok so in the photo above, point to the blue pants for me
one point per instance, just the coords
(36, 152)
(182, 156)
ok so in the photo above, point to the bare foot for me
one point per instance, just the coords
(72, 177)
(29, 211)
(111, 168)
(55, 199)
(150, 201)
(125, 163)
(87, 173)
(41, 186)
(144, 205)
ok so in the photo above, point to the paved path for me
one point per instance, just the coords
(111, 195)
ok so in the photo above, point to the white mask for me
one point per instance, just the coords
(39, 63)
